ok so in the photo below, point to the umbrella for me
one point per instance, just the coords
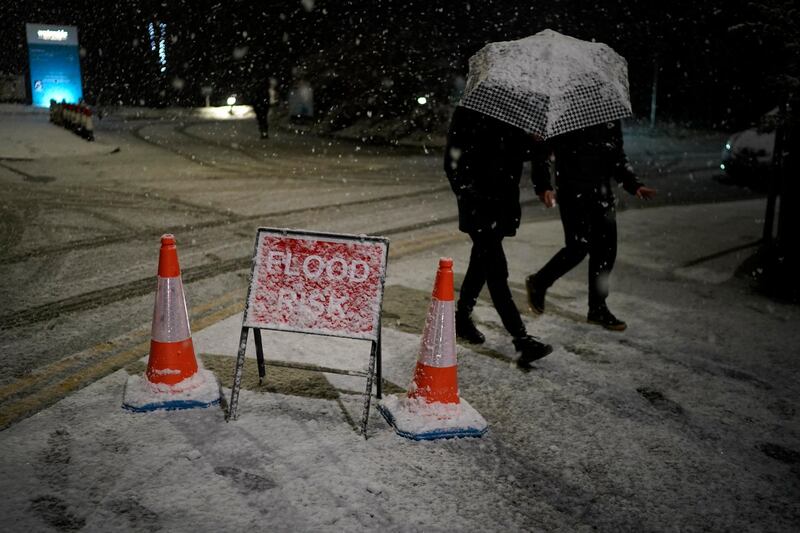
(548, 83)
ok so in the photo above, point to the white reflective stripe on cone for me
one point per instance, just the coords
(170, 318)
(439, 338)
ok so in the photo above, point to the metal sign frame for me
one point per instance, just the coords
(373, 374)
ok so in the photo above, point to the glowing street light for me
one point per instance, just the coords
(231, 101)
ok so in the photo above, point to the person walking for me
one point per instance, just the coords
(585, 161)
(483, 161)
(260, 99)
(274, 101)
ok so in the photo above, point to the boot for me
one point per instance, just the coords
(465, 328)
(601, 316)
(531, 349)
(535, 295)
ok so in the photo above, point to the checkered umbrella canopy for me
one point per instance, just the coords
(548, 83)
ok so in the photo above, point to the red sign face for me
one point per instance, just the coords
(317, 283)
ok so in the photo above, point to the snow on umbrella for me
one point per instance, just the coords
(548, 83)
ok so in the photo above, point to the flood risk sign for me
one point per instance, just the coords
(328, 284)
(313, 282)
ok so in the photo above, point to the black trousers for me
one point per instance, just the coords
(590, 228)
(488, 266)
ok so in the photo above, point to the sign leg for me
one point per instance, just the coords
(367, 395)
(237, 376)
(262, 371)
(378, 372)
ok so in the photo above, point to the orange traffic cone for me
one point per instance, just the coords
(171, 351)
(173, 379)
(436, 374)
(88, 124)
(433, 409)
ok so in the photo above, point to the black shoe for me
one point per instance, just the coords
(466, 330)
(531, 349)
(535, 295)
(601, 316)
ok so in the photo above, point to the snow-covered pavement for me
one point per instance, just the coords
(686, 421)
(24, 138)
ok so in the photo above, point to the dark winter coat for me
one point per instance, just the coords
(483, 161)
(257, 95)
(585, 160)
(260, 104)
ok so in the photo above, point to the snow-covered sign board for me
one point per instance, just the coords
(319, 283)
(313, 282)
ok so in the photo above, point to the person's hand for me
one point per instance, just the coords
(548, 198)
(645, 193)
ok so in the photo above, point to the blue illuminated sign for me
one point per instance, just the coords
(54, 64)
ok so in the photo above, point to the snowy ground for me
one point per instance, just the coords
(24, 138)
(687, 421)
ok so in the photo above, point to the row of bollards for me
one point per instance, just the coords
(75, 117)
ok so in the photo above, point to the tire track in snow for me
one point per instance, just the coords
(225, 219)
(140, 287)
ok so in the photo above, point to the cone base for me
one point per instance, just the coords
(199, 391)
(172, 405)
(418, 420)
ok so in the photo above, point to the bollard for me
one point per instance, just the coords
(88, 125)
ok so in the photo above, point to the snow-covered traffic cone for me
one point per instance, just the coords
(173, 379)
(436, 373)
(433, 409)
(80, 121)
(71, 117)
(88, 125)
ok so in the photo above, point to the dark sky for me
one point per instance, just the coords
(714, 58)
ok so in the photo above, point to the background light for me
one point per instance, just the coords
(422, 100)
(65, 94)
(231, 100)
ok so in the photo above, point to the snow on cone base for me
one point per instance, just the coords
(199, 390)
(174, 379)
(416, 419)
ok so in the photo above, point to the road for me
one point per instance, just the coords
(80, 236)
